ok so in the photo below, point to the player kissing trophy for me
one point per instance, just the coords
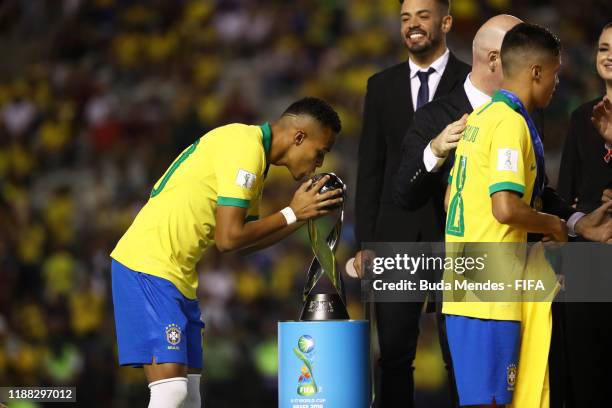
(324, 357)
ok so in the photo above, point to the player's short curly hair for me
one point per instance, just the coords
(524, 39)
(319, 110)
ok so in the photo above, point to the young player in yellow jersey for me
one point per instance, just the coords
(495, 184)
(208, 196)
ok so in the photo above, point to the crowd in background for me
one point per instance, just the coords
(98, 97)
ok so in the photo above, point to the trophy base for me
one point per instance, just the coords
(324, 306)
(340, 378)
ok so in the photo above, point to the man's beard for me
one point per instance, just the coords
(425, 47)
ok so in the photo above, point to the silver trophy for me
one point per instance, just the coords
(323, 294)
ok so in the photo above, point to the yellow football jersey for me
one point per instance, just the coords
(494, 154)
(176, 226)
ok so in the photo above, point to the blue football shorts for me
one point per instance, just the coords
(154, 320)
(485, 358)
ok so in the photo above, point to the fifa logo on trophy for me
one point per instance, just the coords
(323, 294)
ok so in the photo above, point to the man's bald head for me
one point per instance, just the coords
(491, 35)
(486, 50)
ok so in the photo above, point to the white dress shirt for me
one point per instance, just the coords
(438, 65)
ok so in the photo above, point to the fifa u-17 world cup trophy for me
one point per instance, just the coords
(324, 357)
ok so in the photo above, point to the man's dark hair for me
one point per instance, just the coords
(526, 39)
(445, 4)
(319, 110)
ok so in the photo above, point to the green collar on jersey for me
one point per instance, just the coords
(500, 97)
(267, 141)
(267, 136)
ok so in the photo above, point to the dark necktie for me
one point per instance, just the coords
(423, 95)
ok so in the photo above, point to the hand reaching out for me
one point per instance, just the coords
(597, 225)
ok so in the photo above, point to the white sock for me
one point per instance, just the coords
(193, 391)
(168, 393)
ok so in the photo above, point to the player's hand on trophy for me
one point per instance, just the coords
(597, 225)
(448, 139)
(602, 119)
(357, 266)
(308, 203)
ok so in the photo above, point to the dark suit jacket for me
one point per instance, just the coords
(415, 187)
(584, 174)
(387, 116)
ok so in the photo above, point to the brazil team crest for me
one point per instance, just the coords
(511, 370)
(173, 335)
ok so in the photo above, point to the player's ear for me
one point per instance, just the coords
(493, 58)
(299, 137)
(536, 72)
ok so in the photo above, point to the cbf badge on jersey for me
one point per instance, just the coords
(245, 179)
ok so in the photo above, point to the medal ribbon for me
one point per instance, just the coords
(515, 104)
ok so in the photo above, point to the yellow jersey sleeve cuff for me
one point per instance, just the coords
(450, 179)
(505, 186)
(233, 202)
